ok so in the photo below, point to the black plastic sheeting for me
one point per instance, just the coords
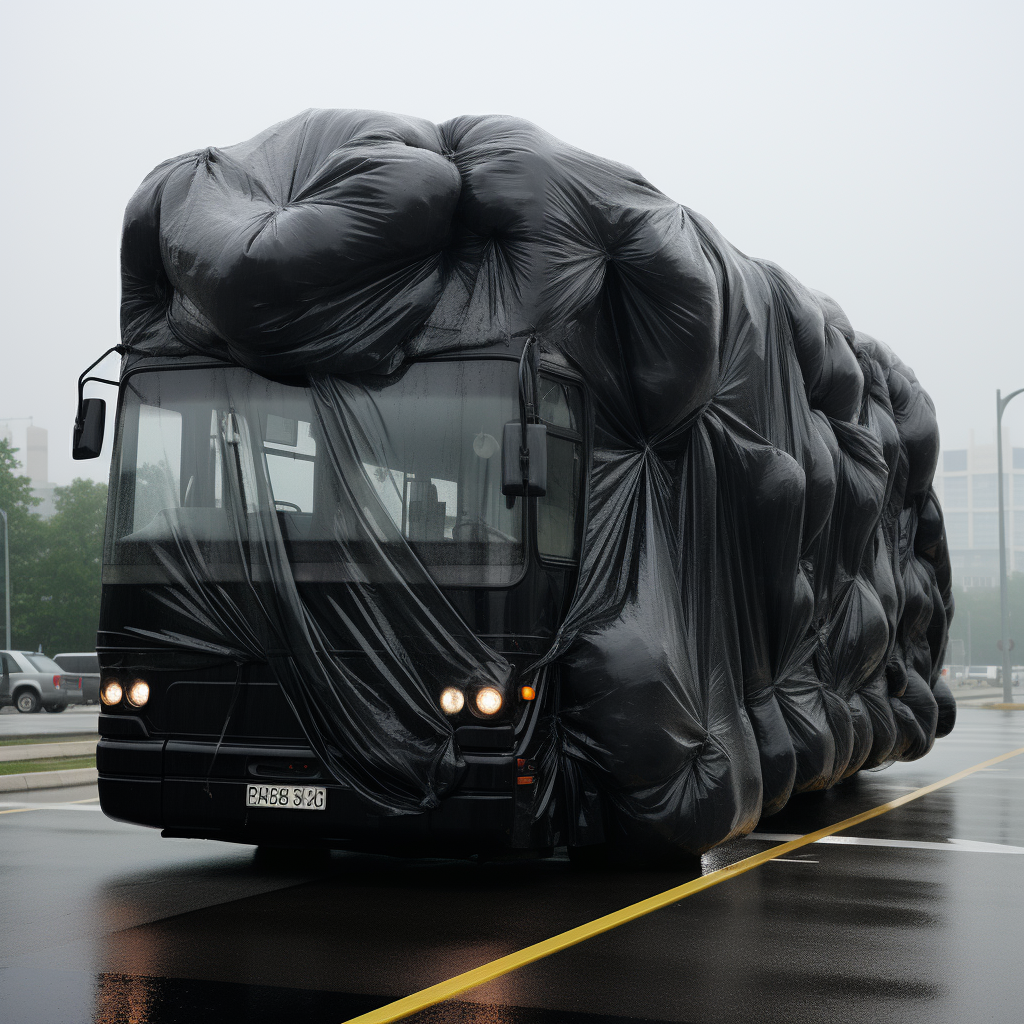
(764, 590)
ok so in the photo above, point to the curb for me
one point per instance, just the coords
(48, 780)
(989, 705)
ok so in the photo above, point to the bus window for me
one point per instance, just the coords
(290, 463)
(158, 474)
(425, 439)
(558, 512)
(560, 405)
(437, 467)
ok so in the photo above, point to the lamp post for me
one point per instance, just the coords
(1004, 623)
(7, 579)
(969, 662)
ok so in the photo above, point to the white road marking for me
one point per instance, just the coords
(950, 845)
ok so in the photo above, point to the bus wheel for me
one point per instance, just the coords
(27, 702)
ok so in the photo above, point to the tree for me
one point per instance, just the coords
(62, 606)
(25, 530)
(55, 564)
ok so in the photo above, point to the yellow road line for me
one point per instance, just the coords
(19, 810)
(503, 965)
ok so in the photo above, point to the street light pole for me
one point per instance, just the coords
(1004, 623)
(7, 579)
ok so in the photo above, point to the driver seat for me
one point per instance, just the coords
(426, 514)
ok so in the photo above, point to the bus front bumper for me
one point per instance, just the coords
(181, 788)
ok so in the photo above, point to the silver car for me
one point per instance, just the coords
(87, 665)
(32, 681)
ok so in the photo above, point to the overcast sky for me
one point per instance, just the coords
(873, 149)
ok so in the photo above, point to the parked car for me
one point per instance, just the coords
(32, 681)
(87, 665)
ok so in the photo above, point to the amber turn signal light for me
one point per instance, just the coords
(528, 693)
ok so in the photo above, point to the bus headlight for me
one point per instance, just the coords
(452, 700)
(111, 692)
(488, 700)
(138, 693)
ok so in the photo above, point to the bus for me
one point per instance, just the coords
(469, 494)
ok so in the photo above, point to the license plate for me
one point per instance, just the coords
(291, 798)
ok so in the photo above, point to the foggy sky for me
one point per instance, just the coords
(873, 150)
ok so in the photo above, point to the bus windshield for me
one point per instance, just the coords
(425, 444)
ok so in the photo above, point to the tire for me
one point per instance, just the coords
(54, 708)
(26, 702)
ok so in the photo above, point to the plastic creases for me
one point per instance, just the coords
(764, 586)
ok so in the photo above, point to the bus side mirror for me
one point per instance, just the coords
(524, 470)
(87, 440)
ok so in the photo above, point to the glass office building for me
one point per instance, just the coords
(967, 484)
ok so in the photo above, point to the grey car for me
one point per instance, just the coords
(86, 665)
(32, 682)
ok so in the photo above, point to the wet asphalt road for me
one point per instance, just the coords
(103, 922)
(79, 718)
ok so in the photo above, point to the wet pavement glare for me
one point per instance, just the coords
(104, 923)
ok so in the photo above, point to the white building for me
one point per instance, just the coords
(966, 482)
(32, 444)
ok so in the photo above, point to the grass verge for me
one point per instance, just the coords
(77, 737)
(47, 764)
